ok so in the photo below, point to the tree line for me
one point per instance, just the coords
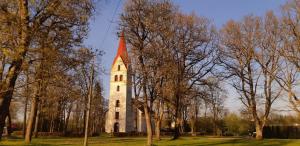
(45, 68)
(180, 60)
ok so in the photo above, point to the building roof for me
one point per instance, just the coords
(122, 51)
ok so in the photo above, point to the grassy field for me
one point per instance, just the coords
(140, 141)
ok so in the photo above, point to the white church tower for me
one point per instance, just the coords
(121, 116)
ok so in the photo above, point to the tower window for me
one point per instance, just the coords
(119, 67)
(118, 103)
(116, 77)
(118, 88)
(117, 115)
(121, 77)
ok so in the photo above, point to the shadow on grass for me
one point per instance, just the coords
(137, 141)
(127, 140)
(4, 143)
(41, 141)
(241, 142)
(12, 137)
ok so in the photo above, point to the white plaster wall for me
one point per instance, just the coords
(124, 95)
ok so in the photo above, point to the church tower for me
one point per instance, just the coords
(120, 115)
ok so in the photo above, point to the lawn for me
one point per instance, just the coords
(140, 141)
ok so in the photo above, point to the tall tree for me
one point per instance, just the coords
(90, 96)
(193, 56)
(251, 61)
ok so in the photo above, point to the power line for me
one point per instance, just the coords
(109, 25)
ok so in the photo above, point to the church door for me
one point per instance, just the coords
(116, 127)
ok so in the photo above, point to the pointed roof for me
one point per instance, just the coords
(122, 51)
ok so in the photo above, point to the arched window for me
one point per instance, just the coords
(121, 77)
(118, 103)
(118, 88)
(116, 77)
(119, 67)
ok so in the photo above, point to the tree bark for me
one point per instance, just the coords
(67, 120)
(158, 119)
(86, 130)
(157, 129)
(26, 103)
(25, 110)
(259, 132)
(177, 118)
(36, 124)
(148, 124)
(32, 117)
(176, 129)
(51, 128)
(181, 125)
(193, 127)
(9, 130)
(5, 99)
(82, 129)
(215, 123)
(158, 124)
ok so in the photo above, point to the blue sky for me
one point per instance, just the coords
(103, 27)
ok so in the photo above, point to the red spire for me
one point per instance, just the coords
(122, 51)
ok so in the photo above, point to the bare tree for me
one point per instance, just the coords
(194, 56)
(34, 106)
(290, 23)
(251, 60)
(90, 96)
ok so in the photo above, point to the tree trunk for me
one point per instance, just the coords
(32, 118)
(86, 129)
(159, 118)
(51, 128)
(176, 129)
(34, 104)
(9, 130)
(99, 127)
(26, 104)
(259, 132)
(90, 96)
(193, 127)
(215, 125)
(181, 125)
(177, 118)
(149, 126)
(7, 86)
(157, 129)
(5, 99)
(25, 113)
(67, 120)
(84, 118)
(36, 125)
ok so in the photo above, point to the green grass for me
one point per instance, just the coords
(140, 141)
